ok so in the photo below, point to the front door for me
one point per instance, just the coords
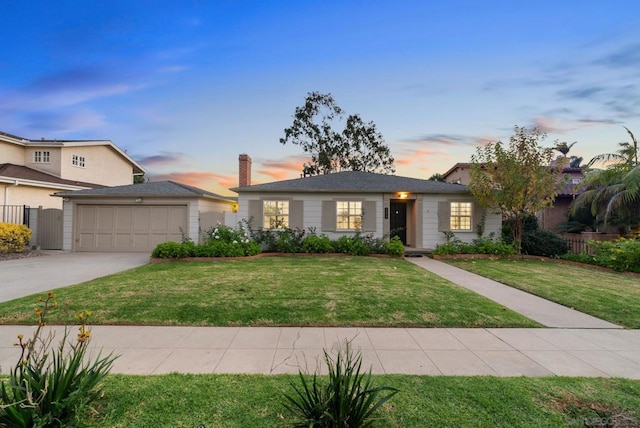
(398, 221)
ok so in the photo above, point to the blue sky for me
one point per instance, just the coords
(184, 86)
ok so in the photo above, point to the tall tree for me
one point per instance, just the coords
(516, 180)
(357, 147)
(613, 193)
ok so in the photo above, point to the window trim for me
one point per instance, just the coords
(357, 221)
(460, 216)
(41, 156)
(284, 218)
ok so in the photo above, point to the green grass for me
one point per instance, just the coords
(282, 291)
(610, 296)
(256, 401)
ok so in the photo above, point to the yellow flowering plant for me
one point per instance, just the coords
(49, 385)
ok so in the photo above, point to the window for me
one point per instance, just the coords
(41, 156)
(275, 214)
(349, 215)
(77, 161)
(460, 216)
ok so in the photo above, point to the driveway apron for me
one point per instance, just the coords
(55, 269)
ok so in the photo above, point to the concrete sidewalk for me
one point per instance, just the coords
(416, 351)
(547, 313)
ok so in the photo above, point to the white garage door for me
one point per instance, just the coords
(128, 227)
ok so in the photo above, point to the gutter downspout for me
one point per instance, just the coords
(6, 194)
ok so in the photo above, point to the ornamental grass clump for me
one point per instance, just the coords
(348, 399)
(50, 385)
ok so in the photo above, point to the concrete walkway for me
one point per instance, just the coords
(547, 313)
(417, 351)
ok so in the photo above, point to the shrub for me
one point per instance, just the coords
(14, 238)
(477, 246)
(347, 399)
(221, 241)
(317, 244)
(174, 250)
(50, 385)
(395, 247)
(289, 240)
(543, 242)
(621, 254)
(376, 245)
(352, 245)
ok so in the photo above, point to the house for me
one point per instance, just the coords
(31, 170)
(137, 217)
(417, 211)
(460, 173)
(548, 218)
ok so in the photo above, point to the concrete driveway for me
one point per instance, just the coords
(56, 269)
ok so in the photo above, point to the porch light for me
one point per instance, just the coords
(138, 200)
(403, 195)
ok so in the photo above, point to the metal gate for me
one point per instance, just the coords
(50, 229)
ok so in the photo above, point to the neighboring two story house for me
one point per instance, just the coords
(32, 170)
(548, 218)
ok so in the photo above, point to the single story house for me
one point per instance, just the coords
(138, 217)
(417, 211)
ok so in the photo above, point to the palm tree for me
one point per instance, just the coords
(613, 193)
(563, 148)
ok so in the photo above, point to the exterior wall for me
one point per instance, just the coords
(29, 195)
(11, 153)
(102, 166)
(211, 213)
(52, 167)
(554, 215)
(312, 208)
(432, 236)
(460, 175)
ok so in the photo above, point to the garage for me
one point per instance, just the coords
(128, 228)
(138, 217)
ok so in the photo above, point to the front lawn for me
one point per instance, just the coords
(423, 401)
(610, 296)
(282, 291)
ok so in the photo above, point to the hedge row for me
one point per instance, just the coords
(224, 241)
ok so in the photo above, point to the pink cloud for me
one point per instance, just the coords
(200, 179)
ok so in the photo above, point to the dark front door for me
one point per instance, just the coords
(398, 221)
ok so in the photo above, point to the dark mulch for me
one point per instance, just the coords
(22, 255)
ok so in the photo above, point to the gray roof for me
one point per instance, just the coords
(153, 188)
(355, 182)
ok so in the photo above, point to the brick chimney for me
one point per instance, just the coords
(244, 178)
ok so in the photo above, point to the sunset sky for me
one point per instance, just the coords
(186, 86)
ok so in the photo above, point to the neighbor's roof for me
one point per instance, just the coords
(19, 172)
(355, 182)
(151, 189)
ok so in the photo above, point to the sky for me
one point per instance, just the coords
(186, 86)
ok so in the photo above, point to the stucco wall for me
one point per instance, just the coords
(11, 153)
(29, 195)
(102, 166)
